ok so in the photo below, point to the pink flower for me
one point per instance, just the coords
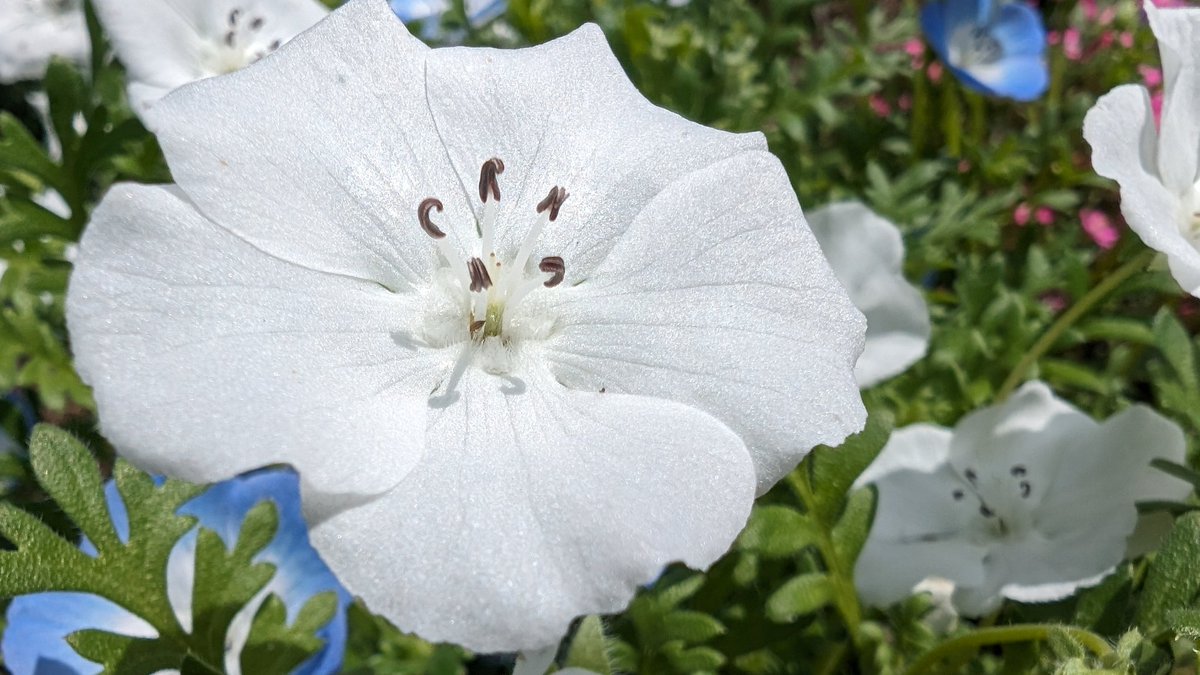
(1156, 105)
(1022, 213)
(935, 72)
(1090, 10)
(879, 105)
(1099, 227)
(1126, 39)
(1151, 76)
(1072, 44)
(1043, 215)
(1055, 301)
(916, 51)
(905, 102)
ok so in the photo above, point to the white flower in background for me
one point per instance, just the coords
(867, 255)
(1158, 170)
(166, 44)
(1028, 500)
(34, 31)
(526, 336)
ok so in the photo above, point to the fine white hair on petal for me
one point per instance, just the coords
(866, 253)
(1033, 500)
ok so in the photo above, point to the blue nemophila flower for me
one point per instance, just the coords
(479, 12)
(993, 48)
(34, 641)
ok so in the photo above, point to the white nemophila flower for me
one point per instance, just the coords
(166, 44)
(526, 336)
(1027, 500)
(867, 255)
(34, 31)
(1158, 170)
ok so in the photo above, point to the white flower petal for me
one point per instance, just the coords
(535, 504)
(918, 447)
(31, 35)
(564, 113)
(1102, 474)
(719, 297)
(321, 154)
(231, 359)
(866, 253)
(1178, 34)
(165, 44)
(1120, 129)
(888, 572)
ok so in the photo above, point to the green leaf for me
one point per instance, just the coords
(1176, 347)
(22, 152)
(778, 531)
(850, 533)
(691, 627)
(124, 655)
(694, 660)
(589, 647)
(273, 646)
(799, 596)
(834, 470)
(1172, 582)
(226, 581)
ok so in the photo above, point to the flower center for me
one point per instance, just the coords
(242, 40)
(477, 296)
(1004, 508)
(974, 46)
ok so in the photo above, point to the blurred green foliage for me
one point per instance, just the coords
(854, 112)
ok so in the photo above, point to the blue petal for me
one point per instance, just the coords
(417, 10)
(1019, 30)
(1023, 78)
(941, 18)
(300, 573)
(933, 23)
(38, 625)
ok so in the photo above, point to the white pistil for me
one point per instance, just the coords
(518, 266)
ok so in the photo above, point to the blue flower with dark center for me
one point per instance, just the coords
(35, 639)
(993, 48)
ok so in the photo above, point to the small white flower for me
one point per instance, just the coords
(34, 31)
(867, 255)
(1158, 170)
(1028, 500)
(165, 44)
(526, 336)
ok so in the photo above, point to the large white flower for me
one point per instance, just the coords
(867, 255)
(34, 31)
(1158, 170)
(526, 336)
(1027, 500)
(166, 44)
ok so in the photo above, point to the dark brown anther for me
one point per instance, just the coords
(423, 210)
(257, 23)
(487, 179)
(480, 279)
(229, 38)
(275, 44)
(555, 267)
(553, 202)
(477, 326)
(233, 17)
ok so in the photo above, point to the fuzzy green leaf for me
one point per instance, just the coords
(1172, 582)
(799, 596)
(778, 531)
(589, 648)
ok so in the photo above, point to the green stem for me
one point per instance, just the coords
(1069, 318)
(972, 642)
(844, 594)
